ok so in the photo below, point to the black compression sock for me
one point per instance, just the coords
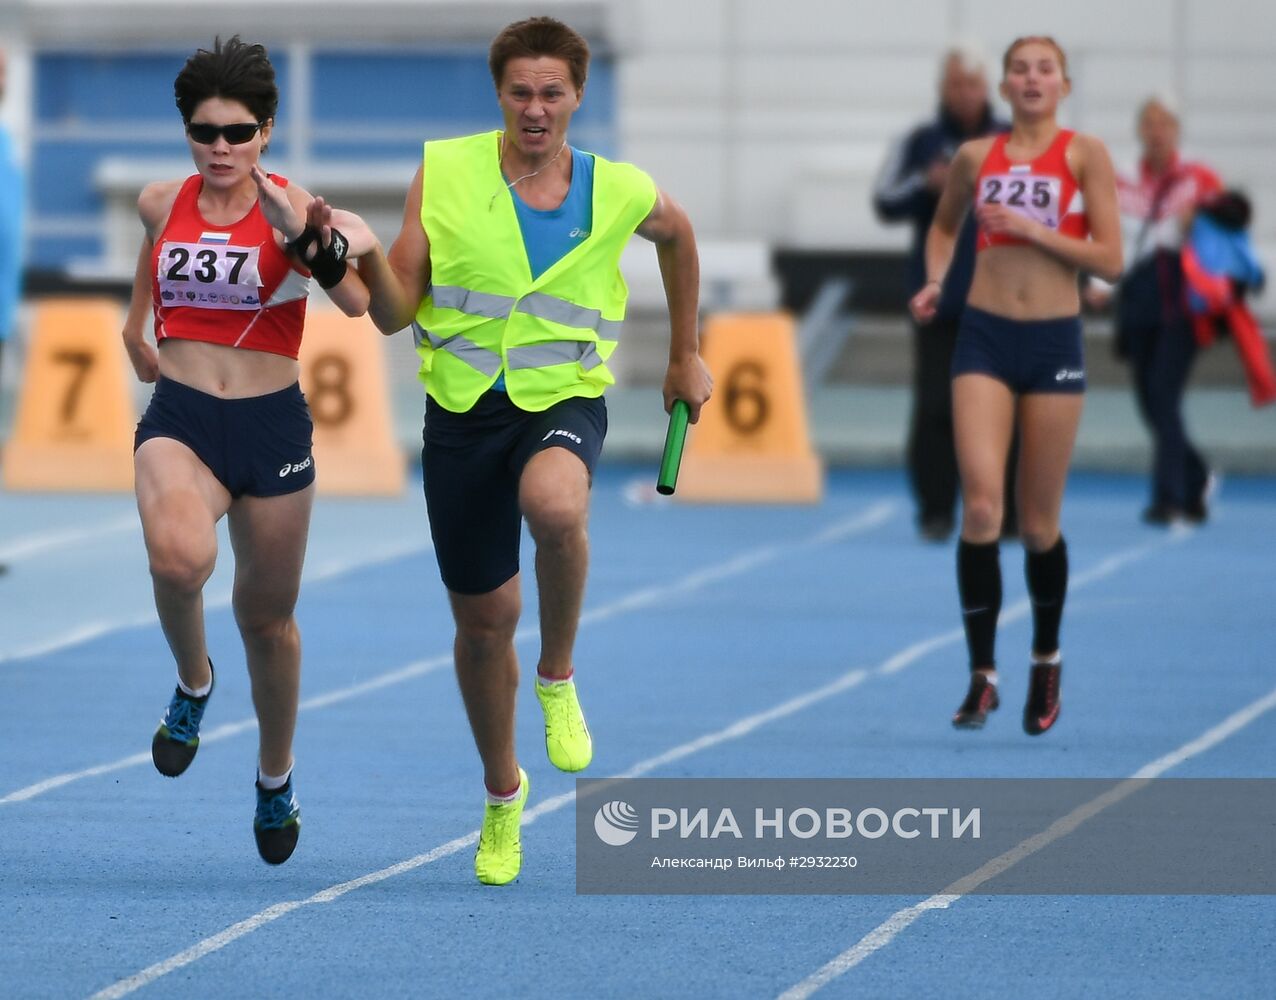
(979, 586)
(1047, 576)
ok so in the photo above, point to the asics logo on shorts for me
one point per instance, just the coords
(561, 433)
(289, 468)
(1069, 375)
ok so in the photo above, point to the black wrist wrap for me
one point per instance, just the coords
(327, 264)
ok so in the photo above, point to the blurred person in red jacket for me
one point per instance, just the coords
(1154, 331)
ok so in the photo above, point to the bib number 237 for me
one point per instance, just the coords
(217, 277)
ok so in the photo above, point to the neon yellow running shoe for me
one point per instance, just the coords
(500, 848)
(567, 739)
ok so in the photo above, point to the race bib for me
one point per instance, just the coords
(1032, 195)
(209, 277)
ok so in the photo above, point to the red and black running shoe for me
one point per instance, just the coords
(980, 700)
(1043, 698)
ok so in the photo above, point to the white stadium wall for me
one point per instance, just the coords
(767, 119)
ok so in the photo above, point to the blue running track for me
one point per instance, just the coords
(814, 641)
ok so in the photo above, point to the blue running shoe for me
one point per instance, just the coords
(177, 738)
(277, 823)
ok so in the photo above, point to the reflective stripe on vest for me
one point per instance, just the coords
(557, 352)
(566, 313)
(472, 303)
(538, 304)
(462, 348)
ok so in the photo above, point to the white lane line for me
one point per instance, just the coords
(77, 634)
(737, 729)
(213, 601)
(32, 545)
(1233, 724)
(233, 933)
(859, 523)
(229, 729)
(901, 920)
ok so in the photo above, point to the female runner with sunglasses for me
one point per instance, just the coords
(227, 431)
(1039, 192)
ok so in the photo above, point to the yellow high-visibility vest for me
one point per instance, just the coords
(484, 312)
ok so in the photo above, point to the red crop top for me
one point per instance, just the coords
(228, 285)
(1042, 189)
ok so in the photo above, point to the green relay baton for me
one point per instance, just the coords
(675, 437)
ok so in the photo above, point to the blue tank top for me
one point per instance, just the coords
(550, 235)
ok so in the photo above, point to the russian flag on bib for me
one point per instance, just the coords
(221, 238)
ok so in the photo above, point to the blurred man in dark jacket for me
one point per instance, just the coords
(908, 188)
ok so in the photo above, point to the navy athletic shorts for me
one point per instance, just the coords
(1039, 355)
(473, 462)
(257, 446)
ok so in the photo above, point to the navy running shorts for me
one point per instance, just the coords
(257, 446)
(1039, 355)
(472, 463)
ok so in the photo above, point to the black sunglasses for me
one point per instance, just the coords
(236, 134)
